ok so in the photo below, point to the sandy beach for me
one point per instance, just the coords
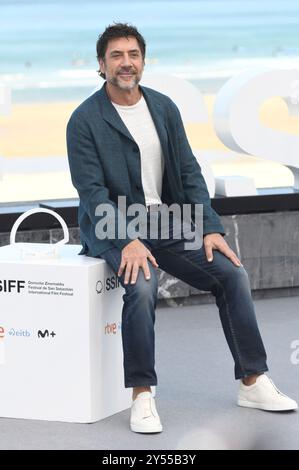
(37, 131)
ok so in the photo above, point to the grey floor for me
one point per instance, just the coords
(196, 394)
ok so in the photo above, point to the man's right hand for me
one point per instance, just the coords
(134, 256)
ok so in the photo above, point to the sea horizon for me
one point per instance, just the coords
(47, 47)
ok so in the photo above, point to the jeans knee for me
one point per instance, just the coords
(238, 276)
(144, 290)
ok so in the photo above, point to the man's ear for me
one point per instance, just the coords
(101, 64)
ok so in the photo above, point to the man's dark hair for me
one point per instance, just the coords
(118, 30)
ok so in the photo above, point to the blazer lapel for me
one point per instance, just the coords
(157, 114)
(110, 114)
(171, 181)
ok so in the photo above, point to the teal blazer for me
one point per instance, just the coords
(104, 161)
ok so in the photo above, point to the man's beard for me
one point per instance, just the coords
(122, 85)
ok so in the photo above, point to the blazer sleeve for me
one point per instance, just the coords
(194, 185)
(88, 177)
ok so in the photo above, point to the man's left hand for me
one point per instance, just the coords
(215, 241)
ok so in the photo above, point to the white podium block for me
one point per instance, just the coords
(60, 337)
(235, 185)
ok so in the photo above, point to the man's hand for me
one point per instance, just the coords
(215, 241)
(134, 256)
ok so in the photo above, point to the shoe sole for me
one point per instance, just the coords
(251, 404)
(143, 429)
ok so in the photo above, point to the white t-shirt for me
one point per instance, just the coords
(139, 122)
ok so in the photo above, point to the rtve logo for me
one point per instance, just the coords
(111, 328)
(110, 283)
(11, 285)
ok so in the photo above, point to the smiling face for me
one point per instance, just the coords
(123, 63)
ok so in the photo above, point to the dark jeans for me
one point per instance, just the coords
(227, 282)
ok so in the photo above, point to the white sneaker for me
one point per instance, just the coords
(264, 395)
(144, 415)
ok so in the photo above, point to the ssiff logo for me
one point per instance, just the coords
(11, 285)
(110, 283)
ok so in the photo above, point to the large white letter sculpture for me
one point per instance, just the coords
(236, 116)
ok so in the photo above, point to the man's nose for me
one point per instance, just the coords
(126, 61)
